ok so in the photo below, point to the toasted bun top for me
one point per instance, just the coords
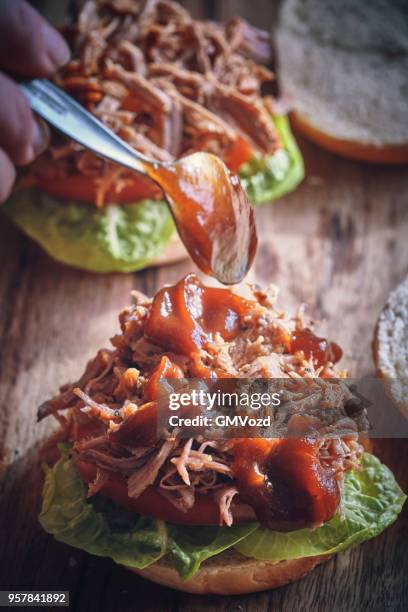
(231, 573)
(345, 66)
(390, 345)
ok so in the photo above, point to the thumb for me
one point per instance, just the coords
(29, 46)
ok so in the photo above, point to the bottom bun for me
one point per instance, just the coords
(390, 346)
(232, 574)
(173, 251)
(389, 154)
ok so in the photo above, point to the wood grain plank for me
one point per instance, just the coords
(34, 366)
(339, 243)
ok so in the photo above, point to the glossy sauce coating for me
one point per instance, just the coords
(214, 217)
(139, 429)
(313, 347)
(282, 479)
(285, 483)
(184, 317)
(154, 387)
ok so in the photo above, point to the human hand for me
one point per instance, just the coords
(29, 47)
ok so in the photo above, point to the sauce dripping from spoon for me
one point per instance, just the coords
(212, 212)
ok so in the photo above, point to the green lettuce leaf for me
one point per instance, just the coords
(372, 501)
(113, 239)
(269, 178)
(129, 237)
(101, 527)
(133, 541)
(189, 546)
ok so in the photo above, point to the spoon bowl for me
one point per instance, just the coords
(212, 213)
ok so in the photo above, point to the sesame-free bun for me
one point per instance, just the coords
(390, 155)
(344, 66)
(390, 346)
(230, 573)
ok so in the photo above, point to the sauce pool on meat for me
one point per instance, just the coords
(285, 482)
(116, 423)
(184, 317)
(282, 479)
(315, 348)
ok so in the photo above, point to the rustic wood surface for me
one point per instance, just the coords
(338, 243)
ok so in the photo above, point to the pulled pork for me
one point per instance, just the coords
(105, 414)
(165, 83)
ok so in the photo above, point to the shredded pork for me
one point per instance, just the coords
(96, 413)
(146, 475)
(224, 496)
(165, 83)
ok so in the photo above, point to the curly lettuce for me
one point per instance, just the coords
(372, 501)
(127, 238)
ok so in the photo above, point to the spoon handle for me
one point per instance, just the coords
(70, 118)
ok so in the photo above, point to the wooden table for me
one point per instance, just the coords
(339, 243)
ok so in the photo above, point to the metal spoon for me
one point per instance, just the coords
(210, 207)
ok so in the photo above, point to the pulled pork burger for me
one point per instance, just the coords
(168, 85)
(198, 514)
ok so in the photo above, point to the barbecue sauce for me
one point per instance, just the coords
(315, 348)
(139, 429)
(285, 483)
(214, 217)
(282, 479)
(155, 386)
(184, 317)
